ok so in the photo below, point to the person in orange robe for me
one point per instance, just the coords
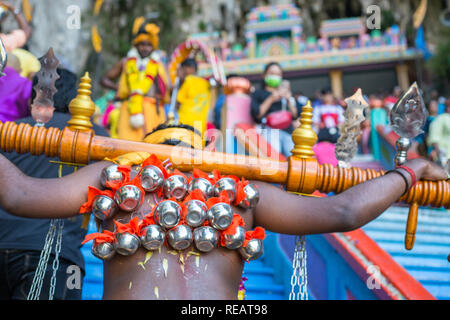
(143, 85)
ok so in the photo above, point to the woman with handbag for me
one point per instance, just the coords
(274, 109)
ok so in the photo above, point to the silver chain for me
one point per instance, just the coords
(299, 279)
(56, 260)
(36, 286)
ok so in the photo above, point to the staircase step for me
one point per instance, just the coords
(262, 296)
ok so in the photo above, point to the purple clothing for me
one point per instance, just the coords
(15, 93)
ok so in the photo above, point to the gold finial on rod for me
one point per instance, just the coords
(304, 136)
(82, 107)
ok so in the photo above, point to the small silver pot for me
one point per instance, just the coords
(103, 251)
(104, 207)
(152, 178)
(228, 185)
(196, 213)
(235, 241)
(152, 237)
(220, 215)
(126, 243)
(253, 250)
(206, 238)
(176, 187)
(180, 238)
(128, 197)
(111, 174)
(251, 197)
(168, 214)
(203, 185)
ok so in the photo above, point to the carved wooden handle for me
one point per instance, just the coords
(299, 175)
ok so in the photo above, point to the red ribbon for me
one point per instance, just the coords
(257, 233)
(240, 192)
(197, 173)
(106, 236)
(223, 197)
(154, 161)
(92, 194)
(231, 230)
(131, 227)
(125, 170)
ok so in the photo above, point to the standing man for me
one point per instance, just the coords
(143, 84)
(22, 239)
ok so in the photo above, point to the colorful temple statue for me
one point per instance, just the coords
(273, 31)
(142, 85)
(342, 33)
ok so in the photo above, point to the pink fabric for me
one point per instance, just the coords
(13, 40)
(15, 93)
(325, 153)
(105, 119)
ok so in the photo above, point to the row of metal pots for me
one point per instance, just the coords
(205, 239)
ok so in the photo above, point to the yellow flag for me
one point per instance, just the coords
(97, 7)
(96, 39)
(27, 10)
(420, 13)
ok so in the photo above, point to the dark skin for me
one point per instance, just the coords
(214, 275)
(144, 48)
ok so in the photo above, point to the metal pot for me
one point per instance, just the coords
(168, 214)
(180, 238)
(251, 198)
(152, 237)
(127, 243)
(253, 250)
(176, 187)
(235, 241)
(203, 185)
(104, 207)
(152, 178)
(196, 213)
(206, 238)
(111, 174)
(228, 185)
(128, 197)
(103, 251)
(220, 215)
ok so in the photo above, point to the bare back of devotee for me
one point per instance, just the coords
(170, 274)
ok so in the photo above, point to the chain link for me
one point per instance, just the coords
(38, 279)
(36, 286)
(299, 279)
(56, 260)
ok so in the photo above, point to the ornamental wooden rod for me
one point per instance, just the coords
(299, 175)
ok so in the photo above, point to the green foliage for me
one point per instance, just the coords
(440, 62)
(387, 19)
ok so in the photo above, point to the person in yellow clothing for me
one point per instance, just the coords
(143, 85)
(193, 97)
(29, 64)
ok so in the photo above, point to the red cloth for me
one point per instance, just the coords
(92, 193)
